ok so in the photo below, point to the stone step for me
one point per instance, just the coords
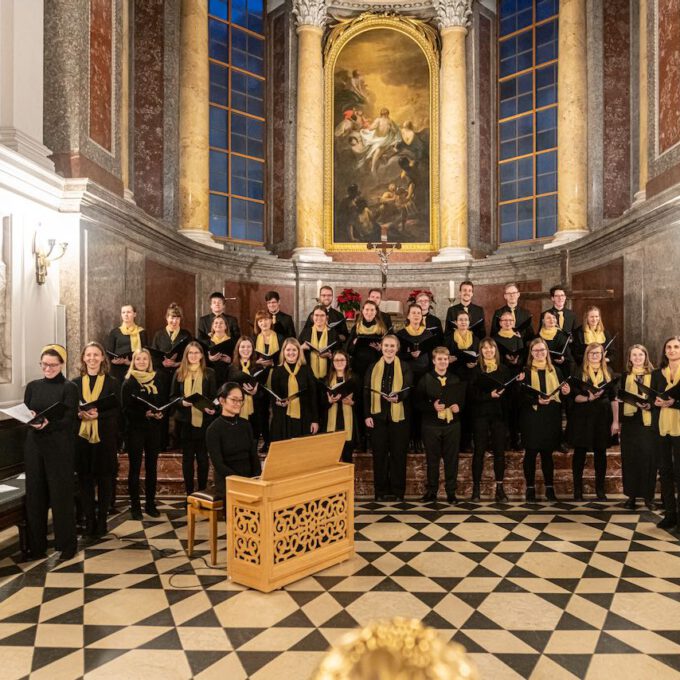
(170, 481)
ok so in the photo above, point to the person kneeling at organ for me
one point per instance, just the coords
(230, 440)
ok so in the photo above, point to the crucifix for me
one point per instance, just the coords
(385, 249)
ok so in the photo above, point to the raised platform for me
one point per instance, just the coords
(170, 475)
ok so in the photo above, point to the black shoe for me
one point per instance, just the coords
(578, 491)
(379, 498)
(668, 521)
(501, 496)
(452, 499)
(550, 494)
(68, 554)
(649, 504)
(476, 493)
(152, 511)
(429, 498)
(136, 513)
(398, 499)
(630, 504)
(530, 494)
(600, 494)
(564, 448)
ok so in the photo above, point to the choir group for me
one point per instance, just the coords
(427, 386)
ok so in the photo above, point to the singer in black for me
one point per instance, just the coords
(521, 317)
(475, 312)
(48, 456)
(432, 322)
(123, 341)
(340, 407)
(336, 319)
(282, 323)
(593, 330)
(566, 319)
(98, 437)
(217, 309)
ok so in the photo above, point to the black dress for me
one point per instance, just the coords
(523, 322)
(96, 464)
(117, 343)
(332, 337)
(233, 450)
(354, 387)
(336, 319)
(49, 460)
(541, 427)
(590, 422)
(476, 314)
(282, 425)
(205, 326)
(283, 325)
(579, 345)
(434, 325)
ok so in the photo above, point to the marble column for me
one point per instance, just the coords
(453, 17)
(572, 124)
(643, 106)
(125, 101)
(21, 79)
(311, 18)
(194, 123)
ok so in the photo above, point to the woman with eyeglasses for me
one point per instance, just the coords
(340, 404)
(193, 377)
(317, 337)
(593, 419)
(230, 440)
(541, 417)
(49, 457)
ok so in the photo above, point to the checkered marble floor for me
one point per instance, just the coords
(532, 591)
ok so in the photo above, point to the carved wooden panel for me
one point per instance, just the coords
(247, 534)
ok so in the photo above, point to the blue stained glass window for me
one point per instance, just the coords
(248, 13)
(219, 171)
(247, 51)
(219, 84)
(219, 215)
(546, 172)
(247, 220)
(546, 216)
(516, 53)
(247, 93)
(247, 135)
(546, 86)
(546, 129)
(546, 8)
(546, 42)
(219, 40)
(219, 8)
(218, 127)
(515, 15)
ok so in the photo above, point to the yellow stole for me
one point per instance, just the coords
(248, 407)
(193, 383)
(506, 333)
(444, 415)
(597, 376)
(273, 343)
(548, 334)
(133, 332)
(463, 339)
(396, 410)
(414, 332)
(594, 336)
(318, 364)
(669, 418)
(347, 415)
(490, 366)
(551, 381)
(173, 334)
(560, 318)
(514, 318)
(217, 339)
(89, 429)
(631, 386)
(145, 380)
(293, 410)
(375, 329)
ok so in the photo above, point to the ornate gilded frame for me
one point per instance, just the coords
(427, 38)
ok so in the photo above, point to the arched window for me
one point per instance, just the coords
(527, 119)
(237, 119)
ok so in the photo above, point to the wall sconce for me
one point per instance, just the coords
(43, 258)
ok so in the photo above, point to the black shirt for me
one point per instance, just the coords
(205, 324)
(476, 314)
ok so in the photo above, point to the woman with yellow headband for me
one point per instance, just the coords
(123, 341)
(638, 436)
(667, 418)
(49, 458)
(340, 408)
(299, 415)
(98, 438)
(592, 330)
(593, 419)
(540, 417)
(193, 377)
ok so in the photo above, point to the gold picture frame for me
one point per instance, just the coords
(427, 40)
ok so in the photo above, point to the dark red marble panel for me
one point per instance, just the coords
(164, 285)
(279, 86)
(616, 132)
(148, 98)
(101, 67)
(490, 296)
(250, 299)
(669, 73)
(485, 130)
(666, 179)
(74, 164)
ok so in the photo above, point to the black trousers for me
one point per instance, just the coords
(390, 444)
(514, 407)
(144, 442)
(547, 465)
(441, 442)
(261, 420)
(669, 472)
(95, 511)
(50, 483)
(489, 432)
(194, 449)
(578, 463)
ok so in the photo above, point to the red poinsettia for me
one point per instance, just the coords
(349, 300)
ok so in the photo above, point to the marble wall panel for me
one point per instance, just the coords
(250, 298)
(669, 73)
(490, 297)
(485, 131)
(616, 107)
(148, 105)
(101, 71)
(164, 285)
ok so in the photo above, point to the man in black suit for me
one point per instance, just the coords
(475, 312)
(217, 309)
(566, 319)
(522, 316)
(375, 295)
(283, 323)
(335, 318)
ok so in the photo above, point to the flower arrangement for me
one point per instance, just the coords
(413, 295)
(349, 302)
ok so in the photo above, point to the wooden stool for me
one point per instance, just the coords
(205, 505)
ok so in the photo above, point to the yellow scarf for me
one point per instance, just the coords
(293, 410)
(669, 418)
(273, 343)
(597, 376)
(376, 329)
(548, 334)
(631, 386)
(145, 380)
(217, 339)
(414, 332)
(396, 410)
(446, 414)
(490, 366)
(318, 364)
(133, 332)
(593, 336)
(248, 407)
(193, 383)
(560, 318)
(89, 429)
(173, 334)
(462, 339)
(347, 415)
(551, 381)
(506, 333)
